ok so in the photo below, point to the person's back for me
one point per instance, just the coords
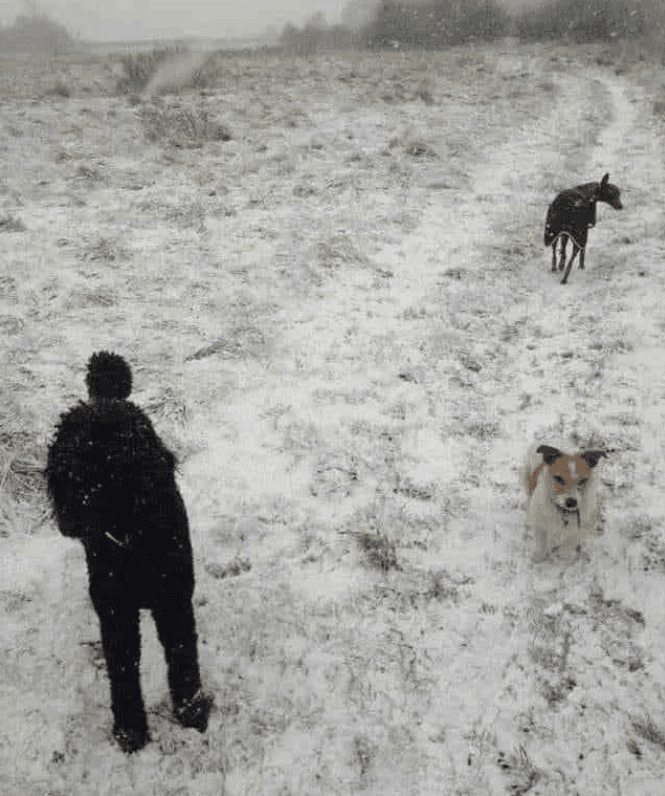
(112, 483)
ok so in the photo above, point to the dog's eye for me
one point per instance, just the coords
(560, 480)
(582, 482)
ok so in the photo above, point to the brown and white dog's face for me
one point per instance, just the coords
(569, 476)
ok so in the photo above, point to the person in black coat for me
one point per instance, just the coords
(112, 484)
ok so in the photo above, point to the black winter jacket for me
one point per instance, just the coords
(112, 483)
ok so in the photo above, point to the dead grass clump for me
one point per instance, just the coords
(11, 224)
(420, 149)
(520, 769)
(647, 729)
(188, 215)
(139, 69)
(22, 488)
(633, 748)
(379, 550)
(234, 568)
(338, 250)
(414, 491)
(60, 89)
(168, 406)
(425, 95)
(11, 324)
(22, 472)
(181, 126)
(653, 556)
(240, 342)
(336, 474)
(482, 429)
(363, 753)
(89, 173)
(91, 298)
(105, 250)
(548, 87)
(442, 586)
(639, 527)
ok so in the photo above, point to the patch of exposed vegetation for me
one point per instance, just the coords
(139, 69)
(379, 550)
(181, 126)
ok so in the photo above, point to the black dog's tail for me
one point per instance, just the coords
(579, 238)
(572, 212)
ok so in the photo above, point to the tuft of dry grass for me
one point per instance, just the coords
(23, 503)
(363, 752)
(420, 149)
(139, 69)
(181, 126)
(105, 250)
(11, 224)
(60, 89)
(231, 570)
(520, 768)
(380, 551)
(240, 342)
(646, 728)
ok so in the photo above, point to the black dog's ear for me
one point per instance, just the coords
(592, 457)
(605, 180)
(550, 454)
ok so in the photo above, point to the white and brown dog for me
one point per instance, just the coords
(563, 488)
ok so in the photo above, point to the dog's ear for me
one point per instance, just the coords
(550, 454)
(605, 180)
(592, 457)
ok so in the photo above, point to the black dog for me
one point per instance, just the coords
(572, 214)
(112, 484)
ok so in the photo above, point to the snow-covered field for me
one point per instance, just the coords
(344, 323)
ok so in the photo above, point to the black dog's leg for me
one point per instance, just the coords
(576, 249)
(582, 260)
(121, 642)
(564, 246)
(554, 255)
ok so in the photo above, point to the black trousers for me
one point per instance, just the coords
(121, 642)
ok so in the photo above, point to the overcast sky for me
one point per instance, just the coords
(134, 19)
(104, 19)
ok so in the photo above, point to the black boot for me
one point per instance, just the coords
(129, 739)
(194, 712)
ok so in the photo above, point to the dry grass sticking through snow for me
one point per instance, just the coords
(328, 275)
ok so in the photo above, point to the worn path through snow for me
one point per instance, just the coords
(397, 398)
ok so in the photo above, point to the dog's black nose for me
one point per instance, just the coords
(571, 503)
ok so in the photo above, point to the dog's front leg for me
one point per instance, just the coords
(540, 552)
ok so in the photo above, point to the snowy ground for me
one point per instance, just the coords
(344, 323)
